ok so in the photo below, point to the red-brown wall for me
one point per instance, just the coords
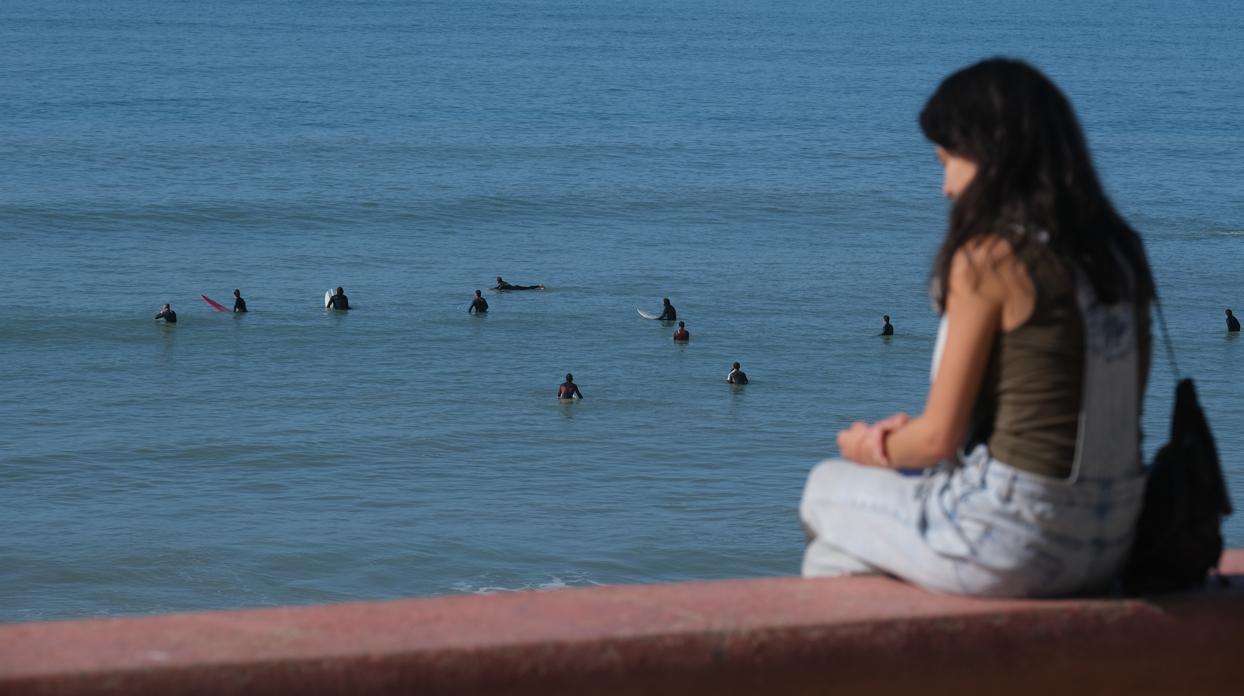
(780, 635)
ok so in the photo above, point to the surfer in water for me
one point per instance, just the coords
(167, 314)
(737, 375)
(502, 285)
(1233, 324)
(478, 304)
(667, 312)
(339, 301)
(239, 304)
(681, 334)
(568, 389)
(888, 328)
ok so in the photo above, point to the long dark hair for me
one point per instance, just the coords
(1034, 172)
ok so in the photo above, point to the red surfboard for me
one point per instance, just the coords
(215, 305)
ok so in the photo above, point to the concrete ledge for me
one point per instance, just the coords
(782, 635)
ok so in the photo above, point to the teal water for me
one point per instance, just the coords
(761, 166)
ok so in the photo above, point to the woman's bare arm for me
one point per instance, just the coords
(983, 287)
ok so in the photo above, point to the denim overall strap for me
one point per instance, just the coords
(1108, 441)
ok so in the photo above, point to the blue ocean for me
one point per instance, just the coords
(757, 163)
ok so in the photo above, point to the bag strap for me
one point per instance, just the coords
(1166, 340)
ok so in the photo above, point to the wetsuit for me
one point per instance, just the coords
(478, 305)
(569, 390)
(668, 314)
(239, 306)
(168, 315)
(339, 301)
(888, 329)
(1233, 324)
(737, 377)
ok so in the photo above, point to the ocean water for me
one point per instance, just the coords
(760, 165)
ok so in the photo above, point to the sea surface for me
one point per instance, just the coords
(757, 163)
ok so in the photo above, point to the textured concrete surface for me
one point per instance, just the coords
(780, 635)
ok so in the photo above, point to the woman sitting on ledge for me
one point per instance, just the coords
(1029, 443)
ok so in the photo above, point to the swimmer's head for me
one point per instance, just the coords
(237, 293)
(341, 291)
(886, 317)
(569, 377)
(682, 324)
(665, 300)
(1228, 312)
(477, 293)
(165, 307)
(736, 366)
(499, 281)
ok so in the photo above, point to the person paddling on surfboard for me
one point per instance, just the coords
(239, 304)
(681, 334)
(339, 301)
(478, 305)
(167, 314)
(568, 389)
(502, 285)
(668, 313)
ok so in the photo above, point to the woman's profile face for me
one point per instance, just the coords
(958, 172)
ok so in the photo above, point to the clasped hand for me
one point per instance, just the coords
(865, 444)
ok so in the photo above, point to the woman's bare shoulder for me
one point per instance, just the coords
(981, 259)
(988, 250)
(989, 267)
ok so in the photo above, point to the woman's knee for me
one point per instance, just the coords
(825, 475)
(822, 481)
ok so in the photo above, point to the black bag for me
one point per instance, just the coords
(1179, 534)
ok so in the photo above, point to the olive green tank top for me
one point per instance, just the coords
(1028, 408)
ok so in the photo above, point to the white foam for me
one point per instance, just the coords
(483, 586)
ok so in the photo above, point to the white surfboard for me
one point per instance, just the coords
(647, 315)
(328, 295)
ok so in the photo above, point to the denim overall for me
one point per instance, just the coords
(977, 526)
